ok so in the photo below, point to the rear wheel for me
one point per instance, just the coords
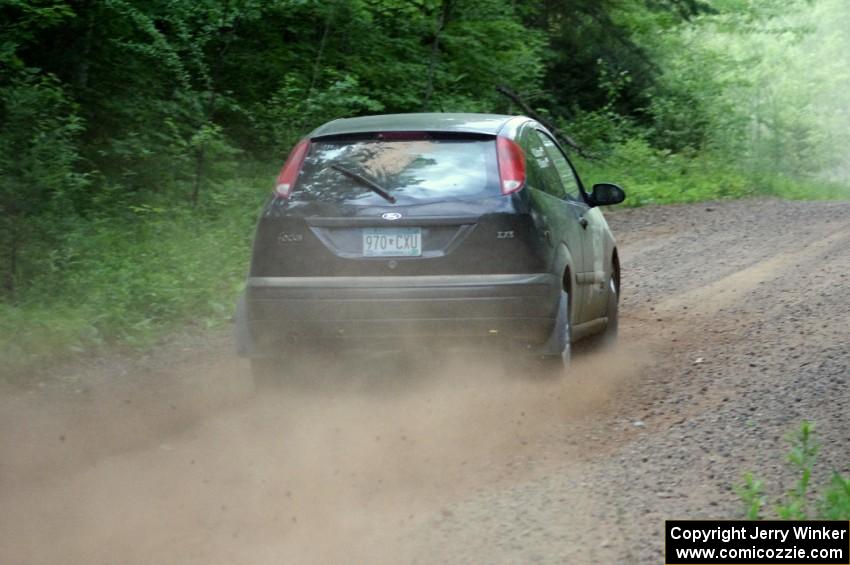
(608, 338)
(613, 310)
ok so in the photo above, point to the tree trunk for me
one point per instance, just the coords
(317, 62)
(209, 110)
(442, 20)
(12, 258)
(81, 72)
(200, 155)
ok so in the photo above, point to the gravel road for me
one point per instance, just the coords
(735, 326)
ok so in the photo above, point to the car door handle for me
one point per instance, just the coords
(582, 221)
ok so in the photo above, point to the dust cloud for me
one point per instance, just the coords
(805, 91)
(193, 466)
(832, 44)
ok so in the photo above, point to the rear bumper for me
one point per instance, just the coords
(286, 309)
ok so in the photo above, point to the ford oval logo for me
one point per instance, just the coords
(391, 216)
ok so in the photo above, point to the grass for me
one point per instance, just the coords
(132, 280)
(653, 176)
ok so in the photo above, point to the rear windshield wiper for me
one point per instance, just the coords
(365, 181)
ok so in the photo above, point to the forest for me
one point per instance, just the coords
(139, 138)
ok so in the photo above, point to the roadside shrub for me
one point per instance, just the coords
(658, 176)
(132, 277)
(797, 503)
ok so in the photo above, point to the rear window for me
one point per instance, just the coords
(411, 170)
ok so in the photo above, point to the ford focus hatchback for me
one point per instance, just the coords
(429, 229)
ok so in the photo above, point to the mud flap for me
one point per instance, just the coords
(557, 339)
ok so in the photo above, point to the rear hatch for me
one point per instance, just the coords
(395, 203)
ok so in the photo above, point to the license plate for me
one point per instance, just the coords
(392, 242)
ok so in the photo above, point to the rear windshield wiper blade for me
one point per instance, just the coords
(365, 181)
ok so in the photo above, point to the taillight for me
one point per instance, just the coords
(511, 165)
(289, 173)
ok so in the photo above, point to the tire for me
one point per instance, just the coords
(613, 312)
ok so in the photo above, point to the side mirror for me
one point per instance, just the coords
(606, 194)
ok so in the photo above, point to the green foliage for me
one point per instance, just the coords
(834, 503)
(159, 268)
(802, 458)
(659, 176)
(295, 108)
(37, 180)
(751, 493)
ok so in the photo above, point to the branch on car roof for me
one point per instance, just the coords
(517, 99)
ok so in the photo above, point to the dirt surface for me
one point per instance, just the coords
(735, 326)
